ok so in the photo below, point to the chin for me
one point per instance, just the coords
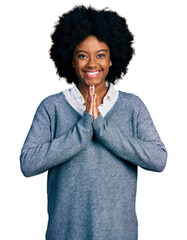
(93, 82)
(90, 82)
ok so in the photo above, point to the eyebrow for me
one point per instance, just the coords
(101, 50)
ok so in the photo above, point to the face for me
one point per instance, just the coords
(91, 60)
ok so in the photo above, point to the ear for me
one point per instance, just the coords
(110, 63)
(73, 63)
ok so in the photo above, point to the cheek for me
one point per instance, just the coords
(78, 65)
(105, 63)
(78, 69)
(106, 67)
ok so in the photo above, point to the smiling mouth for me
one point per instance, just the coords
(92, 74)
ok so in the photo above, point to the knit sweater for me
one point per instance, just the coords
(92, 166)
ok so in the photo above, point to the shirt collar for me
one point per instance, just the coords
(76, 94)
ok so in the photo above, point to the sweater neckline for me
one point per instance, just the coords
(107, 114)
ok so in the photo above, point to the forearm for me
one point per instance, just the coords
(39, 158)
(150, 154)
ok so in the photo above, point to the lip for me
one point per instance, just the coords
(92, 74)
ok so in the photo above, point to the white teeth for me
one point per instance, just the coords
(92, 73)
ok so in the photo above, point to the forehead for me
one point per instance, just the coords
(91, 44)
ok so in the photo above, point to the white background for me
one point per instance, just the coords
(157, 74)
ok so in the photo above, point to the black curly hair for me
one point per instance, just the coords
(80, 22)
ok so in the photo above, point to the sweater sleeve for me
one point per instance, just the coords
(145, 150)
(40, 152)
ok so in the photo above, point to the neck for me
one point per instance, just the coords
(100, 90)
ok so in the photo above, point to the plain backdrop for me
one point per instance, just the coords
(157, 74)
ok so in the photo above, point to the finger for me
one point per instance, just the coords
(91, 90)
(95, 101)
(89, 105)
(95, 108)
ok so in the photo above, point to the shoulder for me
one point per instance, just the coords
(130, 99)
(51, 101)
(135, 104)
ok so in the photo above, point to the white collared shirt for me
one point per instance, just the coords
(76, 100)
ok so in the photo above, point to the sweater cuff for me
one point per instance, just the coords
(98, 122)
(88, 118)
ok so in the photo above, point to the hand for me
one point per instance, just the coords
(91, 106)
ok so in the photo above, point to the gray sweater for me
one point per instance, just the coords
(92, 166)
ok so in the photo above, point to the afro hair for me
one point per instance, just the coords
(80, 22)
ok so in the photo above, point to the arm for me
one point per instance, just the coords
(40, 152)
(146, 150)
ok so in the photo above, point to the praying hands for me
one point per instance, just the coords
(91, 106)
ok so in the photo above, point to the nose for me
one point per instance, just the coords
(92, 63)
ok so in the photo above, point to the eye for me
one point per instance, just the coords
(101, 55)
(81, 56)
